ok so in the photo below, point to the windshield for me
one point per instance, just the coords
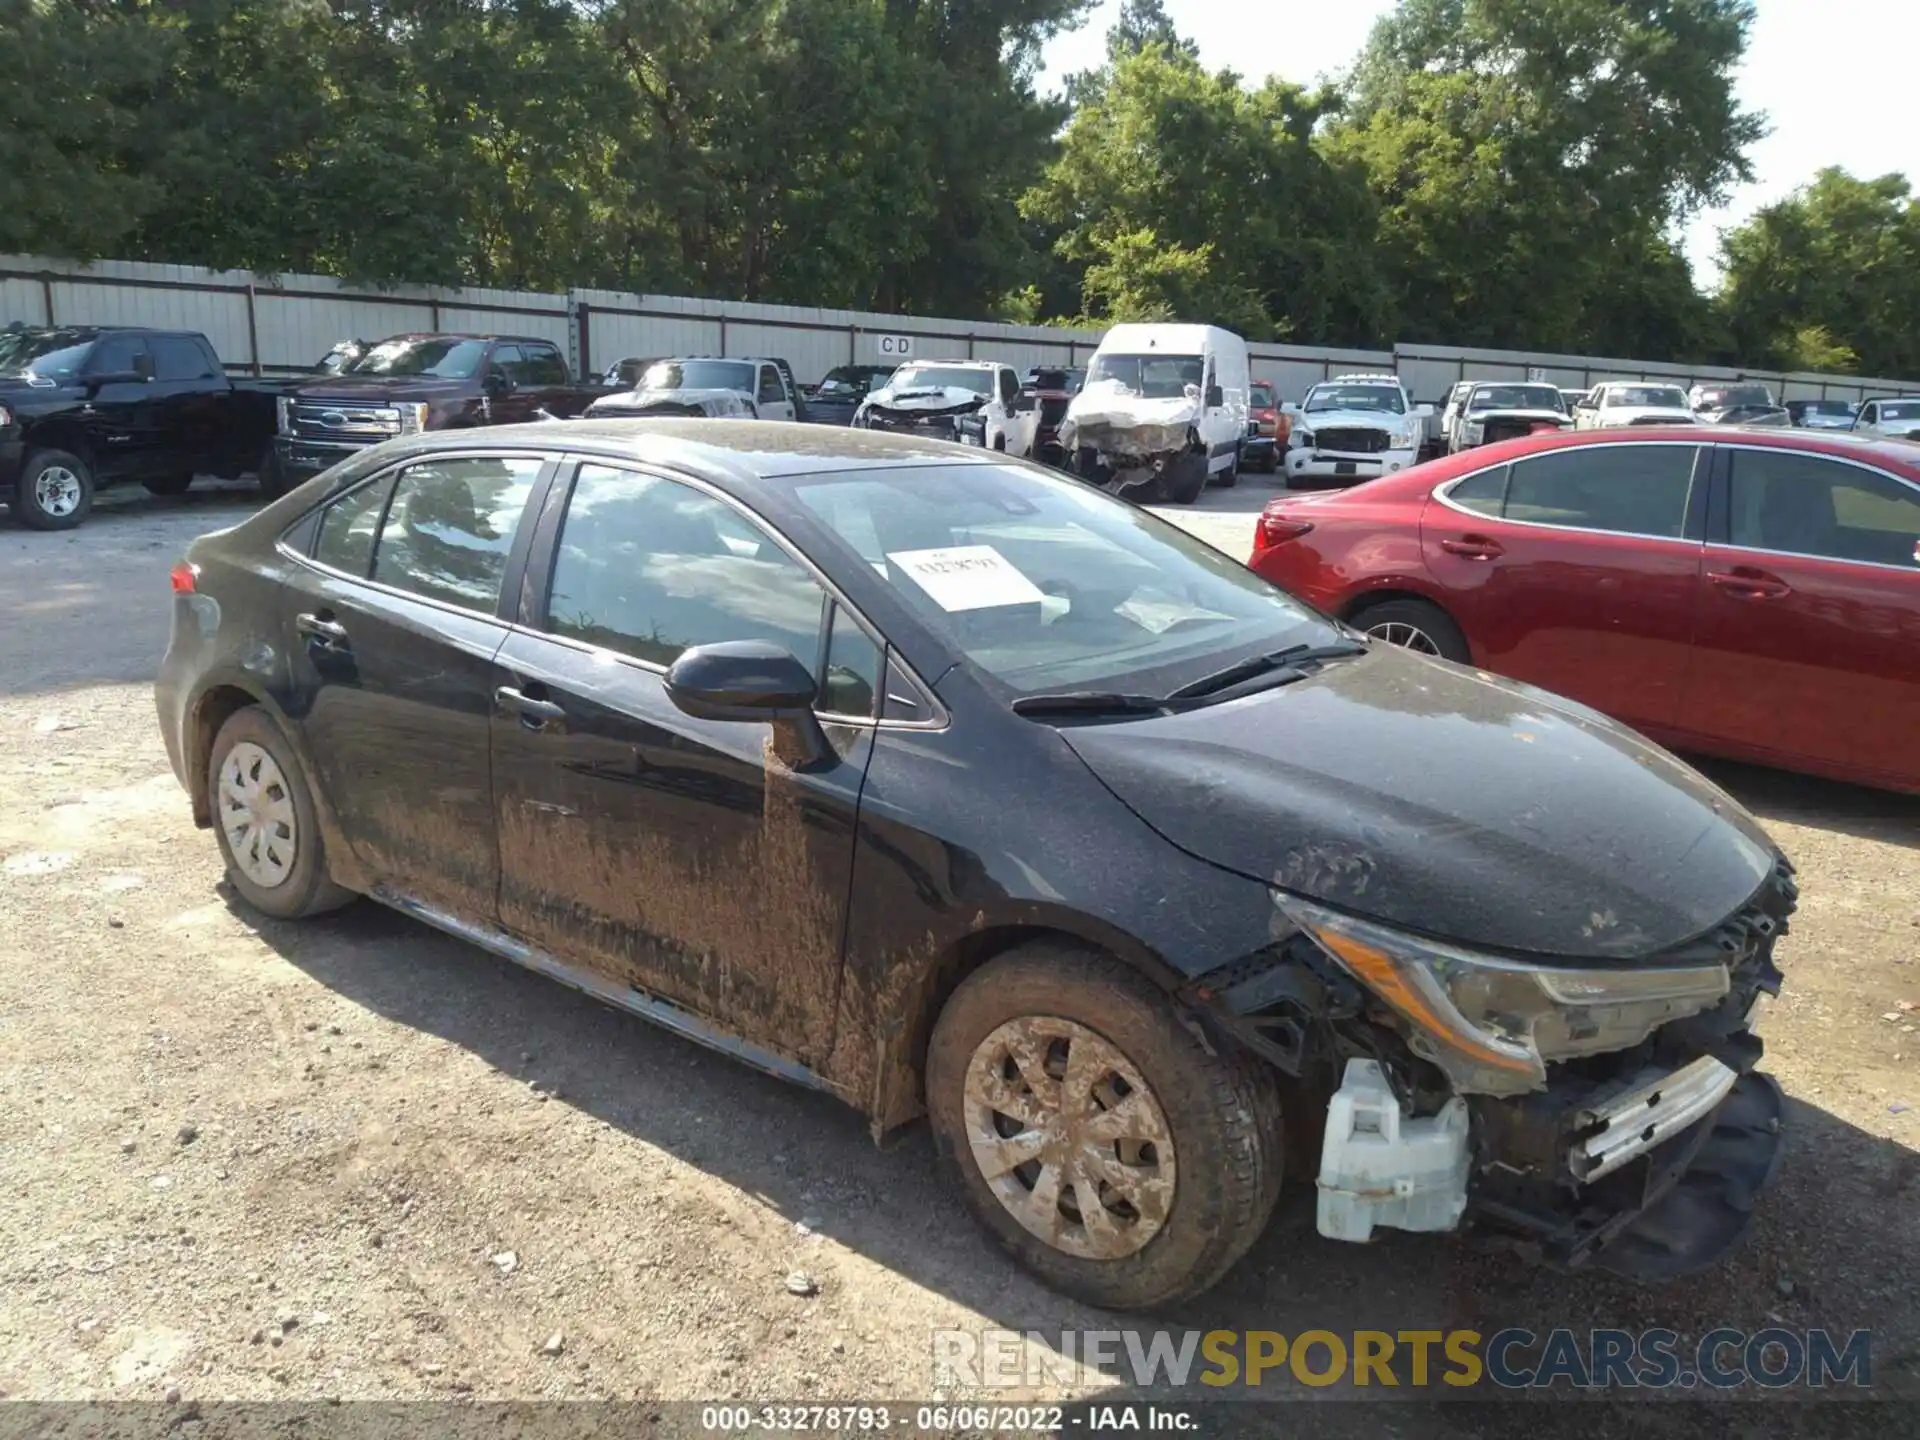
(1515, 397)
(847, 380)
(1152, 377)
(1260, 395)
(699, 375)
(627, 372)
(1664, 397)
(975, 378)
(1907, 410)
(1839, 409)
(1047, 584)
(1386, 399)
(445, 359)
(52, 353)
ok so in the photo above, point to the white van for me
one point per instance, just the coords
(1163, 412)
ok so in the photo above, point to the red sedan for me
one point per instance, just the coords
(1753, 593)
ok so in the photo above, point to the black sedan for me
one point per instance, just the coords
(950, 785)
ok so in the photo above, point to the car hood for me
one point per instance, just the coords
(1350, 420)
(1639, 414)
(926, 397)
(365, 389)
(719, 400)
(1476, 417)
(1447, 802)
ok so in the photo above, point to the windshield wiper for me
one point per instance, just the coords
(1292, 657)
(1089, 702)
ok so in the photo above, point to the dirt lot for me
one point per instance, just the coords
(241, 1159)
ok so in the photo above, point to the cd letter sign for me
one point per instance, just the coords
(896, 347)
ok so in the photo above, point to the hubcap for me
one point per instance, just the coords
(1411, 637)
(256, 813)
(1069, 1137)
(57, 490)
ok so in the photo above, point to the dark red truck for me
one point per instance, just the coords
(409, 383)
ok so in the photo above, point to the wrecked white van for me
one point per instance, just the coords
(1163, 412)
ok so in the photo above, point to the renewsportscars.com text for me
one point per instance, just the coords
(1510, 1359)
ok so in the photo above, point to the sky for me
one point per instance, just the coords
(1838, 80)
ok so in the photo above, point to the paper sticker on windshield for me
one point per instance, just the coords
(1159, 616)
(966, 577)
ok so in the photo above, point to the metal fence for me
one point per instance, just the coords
(278, 325)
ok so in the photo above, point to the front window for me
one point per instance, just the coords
(848, 380)
(1152, 377)
(1726, 397)
(699, 375)
(1260, 395)
(1646, 397)
(1904, 410)
(1048, 585)
(441, 358)
(51, 354)
(1514, 397)
(977, 379)
(1384, 399)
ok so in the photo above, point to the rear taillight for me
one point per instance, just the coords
(1276, 528)
(183, 576)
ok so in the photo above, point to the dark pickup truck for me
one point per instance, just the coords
(87, 406)
(409, 383)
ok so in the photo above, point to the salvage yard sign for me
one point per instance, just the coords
(896, 347)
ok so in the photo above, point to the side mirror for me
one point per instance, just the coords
(143, 367)
(753, 680)
(1215, 396)
(499, 382)
(1024, 403)
(115, 377)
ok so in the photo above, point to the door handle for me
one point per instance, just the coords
(1749, 584)
(321, 628)
(535, 714)
(1473, 547)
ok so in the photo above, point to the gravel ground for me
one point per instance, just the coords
(356, 1158)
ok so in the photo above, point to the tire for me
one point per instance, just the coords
(273, 478)
(1219, 1114)
(1399, 621)
(302, 887)
(168, 484)
(54, 491)
(1230, 477)
(1186, 483)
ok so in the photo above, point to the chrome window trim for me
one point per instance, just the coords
(1443, 491)
(941, 717)
(1848, 460)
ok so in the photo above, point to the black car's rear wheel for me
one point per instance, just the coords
(1417, 625)
(1093, 1135)
(54, 491)
(264, 819)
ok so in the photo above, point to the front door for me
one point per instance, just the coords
(120, 416)
(770, 395)
(679, 857)
(1575, 570)
(1809, 638)
(391, 632)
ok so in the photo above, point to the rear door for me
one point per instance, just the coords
(391, 627)
(1809, 635)
(545, 380)
(677, 857)
(193, 403)
(1577, 570)
(771, 397)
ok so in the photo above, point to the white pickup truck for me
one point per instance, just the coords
(976, 402)
(1354, 428)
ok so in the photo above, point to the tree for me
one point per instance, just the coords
(1176, 187)
(1524, 152)
(1829, 274)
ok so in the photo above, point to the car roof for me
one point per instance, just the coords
(722, 451)
(464, 335)
(1844, 444)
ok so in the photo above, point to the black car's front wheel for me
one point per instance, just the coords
(54, 491)
(264, 819)
(1096, 1137)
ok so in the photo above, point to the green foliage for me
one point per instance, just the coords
(1492, 172)
(1830, 275)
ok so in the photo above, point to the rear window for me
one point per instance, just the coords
(1261, 394)
(1900, 410)
(1624, 489)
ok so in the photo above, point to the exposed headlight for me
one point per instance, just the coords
(413, 418)
(1493, 1024)
(1305, 437)
(283, 407)
(1475, 430)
